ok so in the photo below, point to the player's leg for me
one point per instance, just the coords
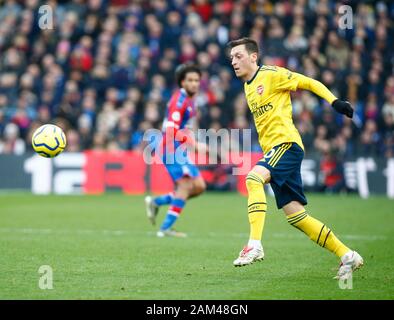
(163, 199)
(199, 186)
(184, 187)
(317, 231)
(289, 194)
(188, 183)
(257, 207)
(265, 171)
(152, 205)
(321, 234)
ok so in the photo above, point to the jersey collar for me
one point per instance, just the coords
(250, 81)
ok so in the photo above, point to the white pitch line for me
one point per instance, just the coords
(195, 235)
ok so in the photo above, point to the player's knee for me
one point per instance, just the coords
(293, 207)
(253, 180)
(186, 185)
(199, 187)
(263, 172)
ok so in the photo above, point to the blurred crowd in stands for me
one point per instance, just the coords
(104, 72)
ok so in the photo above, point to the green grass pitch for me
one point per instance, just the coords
(102, 247)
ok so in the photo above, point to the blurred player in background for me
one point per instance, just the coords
(267, 90)
(188, 182)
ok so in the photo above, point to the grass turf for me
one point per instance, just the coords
(102, 247)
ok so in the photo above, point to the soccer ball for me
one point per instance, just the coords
(48, 141)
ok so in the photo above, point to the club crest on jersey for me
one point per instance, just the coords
(176, 116)
(260, 90)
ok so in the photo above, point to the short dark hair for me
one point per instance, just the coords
(250, 45)
(182, 70)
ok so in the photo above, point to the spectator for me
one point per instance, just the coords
(107, 67)
(331, 170)
(12, 143)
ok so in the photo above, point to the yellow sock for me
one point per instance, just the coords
(257, 204)
(317, 232)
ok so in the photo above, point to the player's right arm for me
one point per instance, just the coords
(287, 80)
(175, 115)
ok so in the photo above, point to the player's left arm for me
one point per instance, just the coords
(287, 80)
(322, 91)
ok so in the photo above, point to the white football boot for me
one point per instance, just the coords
(170, 233)
(248, 255)
(151, 209)
(350, 262)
